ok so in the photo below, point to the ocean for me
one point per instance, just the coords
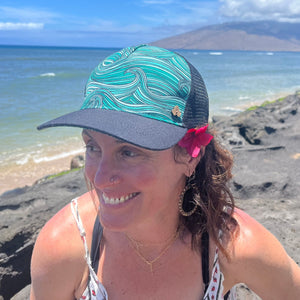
(40, 83)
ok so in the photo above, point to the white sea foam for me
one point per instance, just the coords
(243, 97)
(23, 160)
(50, 74)
(58, 156)
(231, 109)
(215, 53)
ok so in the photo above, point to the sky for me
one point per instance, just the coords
(121, 23)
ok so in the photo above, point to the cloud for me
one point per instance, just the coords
(102, 25)
(158, 18)
(26, 15)
(251, 10)
(20, 26)
(180, 16)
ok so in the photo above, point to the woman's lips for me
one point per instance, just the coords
(116, 201)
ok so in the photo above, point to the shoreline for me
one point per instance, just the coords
(19, 176)
(58, 159)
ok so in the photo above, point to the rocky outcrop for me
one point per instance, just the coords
(265, 143)
(23, 212)
(77, 162)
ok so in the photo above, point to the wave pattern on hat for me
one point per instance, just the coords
(146, 81)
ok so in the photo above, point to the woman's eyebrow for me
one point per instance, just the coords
(85, 132)
(117, 141)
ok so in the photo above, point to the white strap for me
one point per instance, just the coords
(94, 278)
(74, 207)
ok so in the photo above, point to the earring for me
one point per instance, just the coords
(190, 187)
(114, 179)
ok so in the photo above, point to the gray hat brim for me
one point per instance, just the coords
(134, 129)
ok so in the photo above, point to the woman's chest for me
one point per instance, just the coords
(173, 279)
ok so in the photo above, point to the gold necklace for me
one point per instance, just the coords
(136, 246)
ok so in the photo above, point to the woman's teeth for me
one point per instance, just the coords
(122, 199)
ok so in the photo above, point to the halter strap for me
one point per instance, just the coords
(96, 241)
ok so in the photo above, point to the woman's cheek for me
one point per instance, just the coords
(90, 168)
(143, 175)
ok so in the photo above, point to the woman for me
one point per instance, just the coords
(159, 221)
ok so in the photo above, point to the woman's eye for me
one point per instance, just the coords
(91, 149)
(129, 153)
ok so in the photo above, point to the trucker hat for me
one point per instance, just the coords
(145, 95)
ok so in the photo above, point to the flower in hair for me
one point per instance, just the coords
(194, 139)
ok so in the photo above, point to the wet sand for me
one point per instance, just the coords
(18, 176)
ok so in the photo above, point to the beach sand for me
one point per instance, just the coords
(18, 176)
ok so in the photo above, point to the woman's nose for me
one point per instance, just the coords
(107, 175)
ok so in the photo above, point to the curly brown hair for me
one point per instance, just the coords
(215, 202)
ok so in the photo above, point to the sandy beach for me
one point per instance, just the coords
(38, 163)
(18, 176)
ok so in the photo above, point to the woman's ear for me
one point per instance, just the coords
(192, 162)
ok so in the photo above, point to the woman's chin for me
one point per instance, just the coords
(114, 223)
(118, 217)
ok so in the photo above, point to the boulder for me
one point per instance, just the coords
(23, 212)
(77, 162)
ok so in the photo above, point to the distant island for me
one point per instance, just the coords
(243, 36)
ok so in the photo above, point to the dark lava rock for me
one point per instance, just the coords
(23, 212)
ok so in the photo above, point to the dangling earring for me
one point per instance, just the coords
(191, 188)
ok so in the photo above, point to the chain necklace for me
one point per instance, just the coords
(136, 246)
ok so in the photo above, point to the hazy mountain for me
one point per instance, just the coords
(261, 36)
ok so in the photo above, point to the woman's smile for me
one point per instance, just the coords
(117, 200)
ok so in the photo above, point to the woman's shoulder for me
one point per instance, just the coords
(61, 230)
(251, 240)
(257, 258)
(58, 254)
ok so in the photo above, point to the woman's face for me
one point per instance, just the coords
(135, 186)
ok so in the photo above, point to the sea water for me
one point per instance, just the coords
(41, 83)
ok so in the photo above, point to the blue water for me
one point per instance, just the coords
(40, 83)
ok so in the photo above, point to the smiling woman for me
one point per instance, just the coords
(159, 221)
(130, 182)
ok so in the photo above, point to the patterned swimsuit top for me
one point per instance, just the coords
(96, 291)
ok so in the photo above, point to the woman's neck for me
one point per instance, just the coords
(149, 241)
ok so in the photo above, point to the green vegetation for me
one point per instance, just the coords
(254, 107)
(62, 173)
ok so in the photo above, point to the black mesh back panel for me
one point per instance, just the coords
(197, 109)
